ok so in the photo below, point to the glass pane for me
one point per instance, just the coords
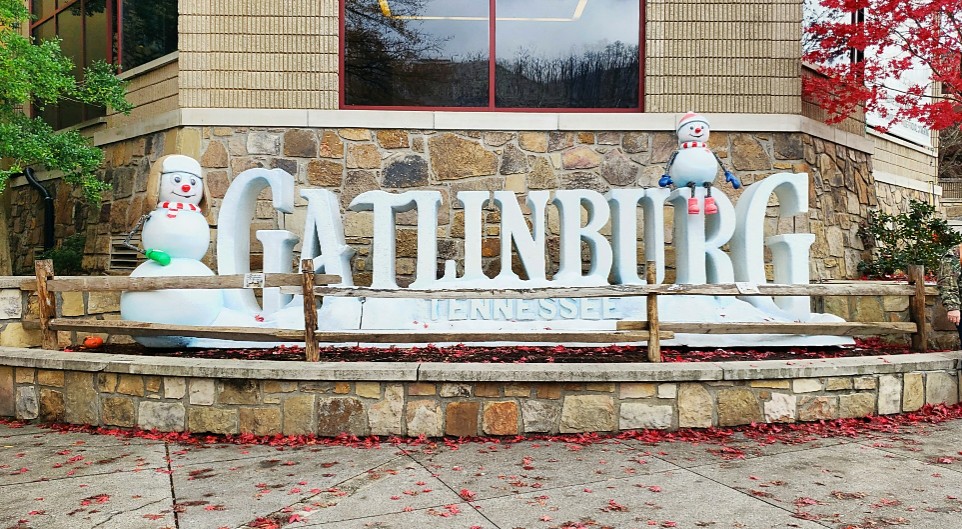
(71, 113)
(70, 31)
(42, 8)
(45, 31)
(149, 30)
(567, 53)
(429, 53)
(96, 32)
(50, 114)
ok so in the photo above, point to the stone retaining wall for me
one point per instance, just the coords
(294, 398)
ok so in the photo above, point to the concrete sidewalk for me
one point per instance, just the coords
(51, 480)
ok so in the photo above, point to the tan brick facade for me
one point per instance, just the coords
(719, 56)
(258, 54)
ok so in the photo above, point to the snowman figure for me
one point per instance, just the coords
(175, 237)
(694, 164)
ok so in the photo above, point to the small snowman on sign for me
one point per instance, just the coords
(694, 164)
(175, 238)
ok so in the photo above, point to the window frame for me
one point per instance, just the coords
(492, 82)
(112, 9)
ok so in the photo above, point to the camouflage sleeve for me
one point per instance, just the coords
(949, 269)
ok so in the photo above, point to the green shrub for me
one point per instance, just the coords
(914, 237)
(68, 256)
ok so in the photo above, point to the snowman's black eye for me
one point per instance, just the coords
(193, 181)
(176, 179)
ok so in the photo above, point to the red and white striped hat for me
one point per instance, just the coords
(688, 118)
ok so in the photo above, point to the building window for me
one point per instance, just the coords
(494, 55)
(123, 32)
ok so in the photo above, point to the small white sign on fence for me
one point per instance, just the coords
(254, 280)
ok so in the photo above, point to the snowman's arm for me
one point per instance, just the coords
(729, 176)
(138, 227)
(671, 160)
(665, 180)
(159, 256)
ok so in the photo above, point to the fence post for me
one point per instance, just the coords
(311, 352)
(47, 302)
(654, 337)
(917, 308)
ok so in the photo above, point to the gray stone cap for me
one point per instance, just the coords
(477, 372)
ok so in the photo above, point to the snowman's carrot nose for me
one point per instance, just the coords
(185, 188)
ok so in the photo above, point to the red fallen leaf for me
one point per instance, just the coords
(153, 516)
(667, 523)
(467, 494)
(296, 518)
(946, 460)
(614, 506)
(407, 509)
(654, 488)
(545, 518)
(214, 508)
(806, 501)
(35, 513)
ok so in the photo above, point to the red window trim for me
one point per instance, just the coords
(491, 71)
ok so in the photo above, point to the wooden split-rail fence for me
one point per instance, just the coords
(649, 330)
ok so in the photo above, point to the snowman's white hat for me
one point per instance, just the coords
(175, 163)
(178, 163)
(690, 117)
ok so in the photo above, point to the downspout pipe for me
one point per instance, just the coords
(48, 222)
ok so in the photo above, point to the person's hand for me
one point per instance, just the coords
(954, 316)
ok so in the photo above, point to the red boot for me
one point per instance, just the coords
(710, 207)
(693, 206)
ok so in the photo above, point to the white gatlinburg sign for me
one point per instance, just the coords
(697, 241)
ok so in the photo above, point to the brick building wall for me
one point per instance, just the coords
(723, 56)
(258, 54)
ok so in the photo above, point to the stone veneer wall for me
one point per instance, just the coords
(293, 398)
(351, 161)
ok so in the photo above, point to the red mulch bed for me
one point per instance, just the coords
(518, 354)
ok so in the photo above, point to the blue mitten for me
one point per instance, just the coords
(733, 180)
(664, 181)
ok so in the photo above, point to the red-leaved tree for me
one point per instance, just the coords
(862, 48)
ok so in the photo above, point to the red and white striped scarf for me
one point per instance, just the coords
(693, 145)
(174, 207)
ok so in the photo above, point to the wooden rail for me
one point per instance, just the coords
(650, 330)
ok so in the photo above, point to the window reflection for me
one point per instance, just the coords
(395, 58)
(149, 30)
(548, 53)
(567, 54)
